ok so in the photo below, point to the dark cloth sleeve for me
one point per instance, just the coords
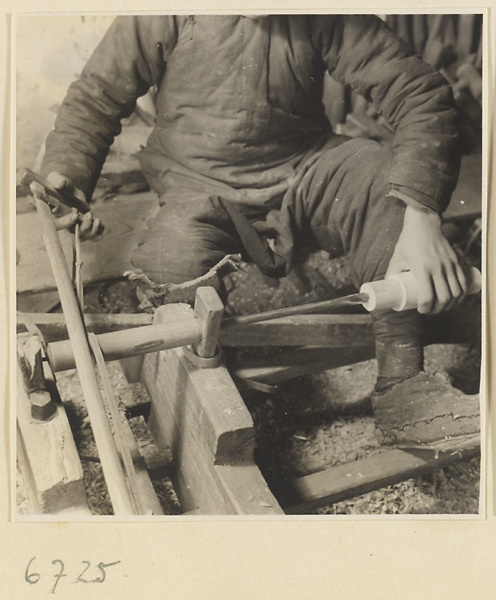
(127, 62)
(361, 51)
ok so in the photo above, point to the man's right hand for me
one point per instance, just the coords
(90, 228)
(423, 250)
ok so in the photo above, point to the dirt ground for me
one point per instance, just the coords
(309, 424)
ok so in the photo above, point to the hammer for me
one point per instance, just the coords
(90, 228)
(29, 178)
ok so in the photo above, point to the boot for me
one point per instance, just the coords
(412, 408)
(426, 411)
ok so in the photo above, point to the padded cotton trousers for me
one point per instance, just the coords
(336, 201)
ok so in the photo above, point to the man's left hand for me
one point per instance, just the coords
(89, 227)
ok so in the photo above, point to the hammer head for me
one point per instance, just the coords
(33, 180)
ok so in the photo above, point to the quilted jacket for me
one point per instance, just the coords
(239, 101)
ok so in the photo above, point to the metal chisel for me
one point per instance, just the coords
(397, 292)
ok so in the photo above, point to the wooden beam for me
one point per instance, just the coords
(330, 331)
(200, 416)
(202, 399)
(296, 362)
(301, 330)
(247, 490)
(461, 325)
(306, 494)
(48, 459)
(132, 367)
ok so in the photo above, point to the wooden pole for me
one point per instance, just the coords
(140, 486)
(53, 327)
(114, 475)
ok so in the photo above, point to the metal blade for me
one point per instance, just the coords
(323, 305)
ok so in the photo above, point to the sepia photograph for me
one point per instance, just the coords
(249, 265)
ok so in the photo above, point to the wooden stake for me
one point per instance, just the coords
(48, 459)
(209, 308)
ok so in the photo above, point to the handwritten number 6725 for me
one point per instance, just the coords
(33, 577)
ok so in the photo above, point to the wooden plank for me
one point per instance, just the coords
(132, 367)
(107, 259)
(146, 497)
(199, 414)
(461, 325)
(247, 490)
(296, 362)
(201, 485)
(306, 494)
(302, 330)
(203, 399)
(193, 475)
(48, 459)
(37, 303)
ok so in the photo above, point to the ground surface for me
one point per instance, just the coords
(310, 423)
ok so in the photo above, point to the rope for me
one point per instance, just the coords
(77, 266)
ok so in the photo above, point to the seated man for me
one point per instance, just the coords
(242, 148)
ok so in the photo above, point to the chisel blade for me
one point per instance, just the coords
(302, 309)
